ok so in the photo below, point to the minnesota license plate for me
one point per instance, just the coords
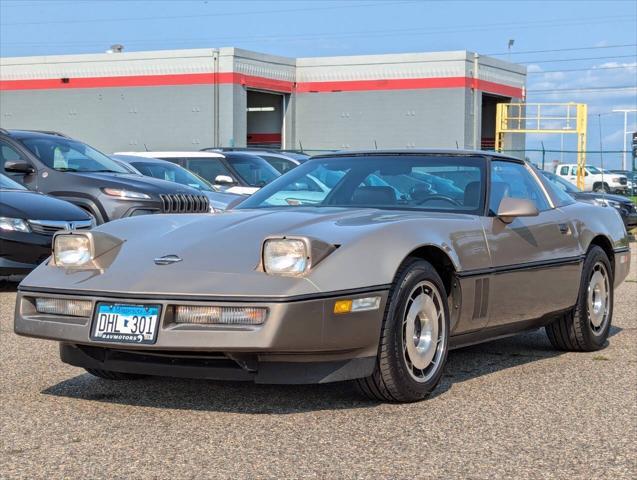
(125, 323)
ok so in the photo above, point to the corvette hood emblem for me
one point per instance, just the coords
(167, 259)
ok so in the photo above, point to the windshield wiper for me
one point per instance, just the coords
(106, 171)
(64, 169)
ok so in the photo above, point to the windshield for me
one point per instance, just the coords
(560, 183)
(66, 155)
(593, 170)
(8, 184)
(409, 182)
(253, 170)
(172, 173)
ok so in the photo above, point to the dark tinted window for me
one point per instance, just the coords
(172, 173)
(253, 170)
(208, 168)
(66, 155)
(283, 165)
(7, 154)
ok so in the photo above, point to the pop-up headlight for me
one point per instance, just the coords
(72, 250)
(292, 256)
(81, 250)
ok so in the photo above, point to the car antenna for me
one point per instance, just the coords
(601, 153)
(457, 147)
(146, 147)
(375, 145)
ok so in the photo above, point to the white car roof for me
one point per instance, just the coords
(173, 154)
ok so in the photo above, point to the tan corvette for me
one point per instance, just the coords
(365, 266)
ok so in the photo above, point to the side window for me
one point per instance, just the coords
(7, 154)
(574, 171)
(564, 170)
(513, 180)
(208, 168)
(143, 169)
(281, 164)
(556, 188)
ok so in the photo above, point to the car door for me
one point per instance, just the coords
(535, 260)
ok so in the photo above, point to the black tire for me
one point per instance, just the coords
(599, 187)
(392, 379)
(574, 331)
(111, 375)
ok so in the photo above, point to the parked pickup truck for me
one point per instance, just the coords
(594, 179)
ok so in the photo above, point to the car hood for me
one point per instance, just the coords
(220, 254)
(35, 206)
(590, 196)
(221, 200)
(138, 183)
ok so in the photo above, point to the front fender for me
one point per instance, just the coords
(374, 259)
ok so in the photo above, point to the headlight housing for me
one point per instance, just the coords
(127, 194)
(292, 256)
(14, 225)
(72, 250)
(285, 256)
(85, 250)
(604, 202)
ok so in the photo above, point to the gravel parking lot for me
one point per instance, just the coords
(508, 408)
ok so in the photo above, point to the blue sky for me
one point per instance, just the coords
(605, 32)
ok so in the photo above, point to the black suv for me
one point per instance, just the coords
(53, 163)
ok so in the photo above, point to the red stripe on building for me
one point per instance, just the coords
(149, 81)
(261, 83)
(411, 84)
(251, 81)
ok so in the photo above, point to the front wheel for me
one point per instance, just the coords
(599, 188)
(414, 337)
(585, 328)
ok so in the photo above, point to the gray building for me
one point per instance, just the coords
(191, 99)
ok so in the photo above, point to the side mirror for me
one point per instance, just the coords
(18, 166)
(224, 180)
(510, 208)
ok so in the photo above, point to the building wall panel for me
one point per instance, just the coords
(115, 119)
(392, 119)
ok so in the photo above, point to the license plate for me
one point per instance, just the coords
(125, 323)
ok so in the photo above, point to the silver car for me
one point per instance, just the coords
(398, 258)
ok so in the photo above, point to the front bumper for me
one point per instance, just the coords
(300, 341)
(630, 219)
(22, 252)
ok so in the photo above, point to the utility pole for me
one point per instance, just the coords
(625, 111)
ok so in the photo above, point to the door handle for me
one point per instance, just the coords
(564, 228)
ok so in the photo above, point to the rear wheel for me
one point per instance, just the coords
(586, 327)
(111, 375)
(414, 337)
